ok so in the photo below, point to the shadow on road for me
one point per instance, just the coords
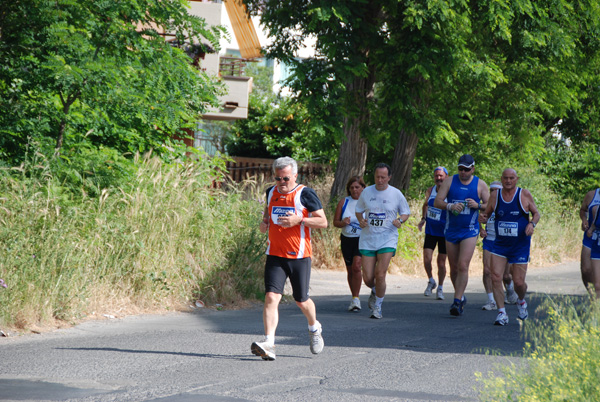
(410, 321)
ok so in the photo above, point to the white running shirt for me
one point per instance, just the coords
(380, 209)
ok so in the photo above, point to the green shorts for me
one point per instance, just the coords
(373, 253)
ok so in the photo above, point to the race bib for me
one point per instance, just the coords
(466, 210)
(490, 229)
(354, 228)
(510, 229)
(376, 219)
(434, 214)
(276, 212)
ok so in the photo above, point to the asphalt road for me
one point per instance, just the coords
(417, 352)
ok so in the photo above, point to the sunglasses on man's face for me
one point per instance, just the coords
(286, 178)
(464, 169)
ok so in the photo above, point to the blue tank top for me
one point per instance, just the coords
(466, 221)
(436, 218)
(511, 220)
(594, 201)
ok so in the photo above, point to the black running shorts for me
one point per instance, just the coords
(278, 269)
(431, 241)
(349, 248)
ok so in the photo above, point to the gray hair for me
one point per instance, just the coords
(283, 162)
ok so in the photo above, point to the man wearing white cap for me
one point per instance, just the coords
(434, 220)
(462, 196)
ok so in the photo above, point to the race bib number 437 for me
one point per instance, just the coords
(376, 219)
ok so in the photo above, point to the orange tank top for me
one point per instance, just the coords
(291, 242)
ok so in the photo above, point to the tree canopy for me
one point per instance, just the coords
(279, 126)
(485, 77)
(101, 73)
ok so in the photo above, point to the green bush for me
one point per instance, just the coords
(562, 357)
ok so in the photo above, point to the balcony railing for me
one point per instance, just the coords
(232, 66)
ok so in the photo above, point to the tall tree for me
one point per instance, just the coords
(443, 71)
(100, 72)
(338, 83)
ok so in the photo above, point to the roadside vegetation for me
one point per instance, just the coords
(561, 357)
(149, 235)
(163, 238)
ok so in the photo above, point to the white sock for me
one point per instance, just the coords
(270, 339)
(316, 327)
(440, 288)
(431, 280)
(510, 286)
(357, 298)
(521, 301)
(491, 296)
(378, 301)
(502, 310)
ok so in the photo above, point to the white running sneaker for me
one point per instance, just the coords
(490, 305)
(354, 305)
(376, 312)
(523, 314)
(501, 319)
(316, 341)
(511, 297)
(264, 350)
(372, 299)
(430, 286)
(439, 294)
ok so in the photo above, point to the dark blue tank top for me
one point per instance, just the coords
(511, 219)
(587, 241)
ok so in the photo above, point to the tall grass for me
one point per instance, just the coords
(562, 357)
(165, 238)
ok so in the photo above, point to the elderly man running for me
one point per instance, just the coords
(434, 220)
(512, 206)
(291, 212)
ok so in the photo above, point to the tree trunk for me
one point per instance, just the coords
(352, 158)
(61, 136)
(353, 151)
(63, 122)
(404, 156)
